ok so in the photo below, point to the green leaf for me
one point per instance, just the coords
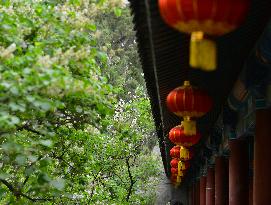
(75, 2)
(30, 98)
(45, 106)
(32, 158)
(43, 178)
(92, 27)
(14, 120)
(117, 12)
(58, 184)
(16, 107)
(20, 159)
(45, 162)
(14, 91)
(79, 109)
(2, 192)
(5, 2)
(39, 9)
(47, 143)
(4, 175)
(102, 56)
(29, 171)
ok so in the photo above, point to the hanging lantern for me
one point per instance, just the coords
(189, 102)
(175, 179)
(183, 165)
(174, 163)
(174, 171)
(181, 152)
(180, 165)
(177, 136)
(200, 18)
(178, 180)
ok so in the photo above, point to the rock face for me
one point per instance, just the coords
(169, 195)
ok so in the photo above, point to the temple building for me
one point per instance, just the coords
(218, 56)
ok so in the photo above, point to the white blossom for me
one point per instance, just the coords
(7, 53)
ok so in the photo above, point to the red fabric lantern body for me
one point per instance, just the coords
(188, 101)
(181, 152)
(174, 163)
(175, 152)
(173, 178)
(177, 136)
(177, 164)
(213, 17)
(174, 171)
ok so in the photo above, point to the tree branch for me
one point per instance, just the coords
(8, 185)
(132, 181)
(27, 177)
(35, 199)
(26, 127)
(18, 193)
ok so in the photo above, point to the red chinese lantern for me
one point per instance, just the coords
(181, 152)
(211, 17)
(174, 163)
(173, 178)
(180, 165)
(189, 102)
(177, 136)
(174, 171)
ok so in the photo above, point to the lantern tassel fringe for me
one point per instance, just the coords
(189, 126)
(202, 52)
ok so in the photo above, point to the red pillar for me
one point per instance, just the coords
(194, 193)
(262, 158)
(238, 172)
(221, 181)
(250, 190)
(197, 202)
(203, 190)
(191, 195)
(210, 187)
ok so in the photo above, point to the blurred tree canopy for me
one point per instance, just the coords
(75, 120)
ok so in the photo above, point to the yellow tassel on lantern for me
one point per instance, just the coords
(177, 185)
(181, 166)
(202, 52)
(179, 179)
(189, 126)
(184, 153)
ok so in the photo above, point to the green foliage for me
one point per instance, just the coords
(75, 120)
